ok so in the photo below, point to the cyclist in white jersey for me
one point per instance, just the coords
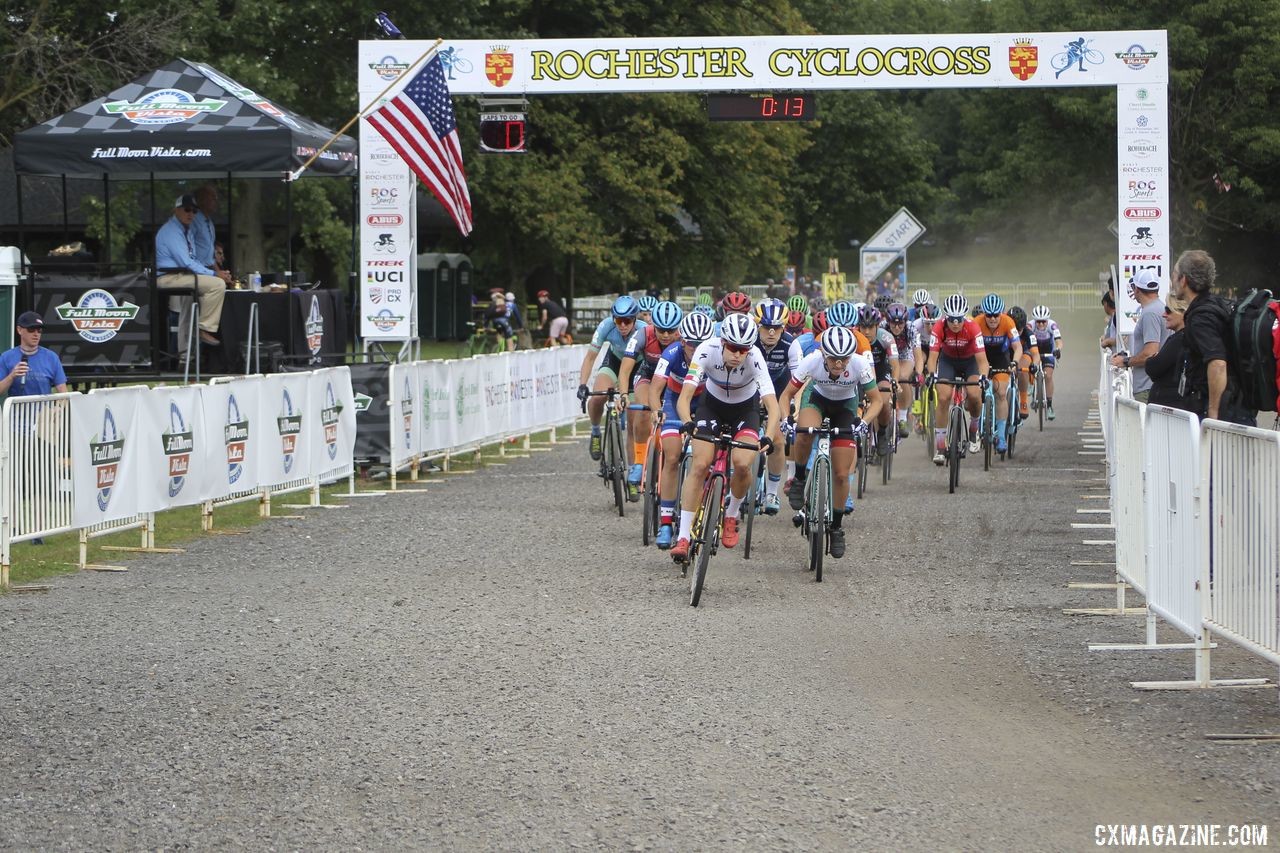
(735, 381)
(1049, 341)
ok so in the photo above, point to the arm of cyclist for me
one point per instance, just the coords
(874, 402)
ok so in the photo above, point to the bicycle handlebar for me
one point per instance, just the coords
(725, 440)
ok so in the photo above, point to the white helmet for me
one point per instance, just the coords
(1040, 312)
(921, 297)
(739, 329)
(955, 306)
(839, 342)
(696, 327)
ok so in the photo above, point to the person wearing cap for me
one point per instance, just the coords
(29, 370)
(552, 318)
(1149, 331)
(177, 266)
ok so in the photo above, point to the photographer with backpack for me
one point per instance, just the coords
(1207, 377)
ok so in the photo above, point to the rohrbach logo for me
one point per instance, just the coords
(178, 442)
(166, 106)
(96, 316)
(499, 65)
(289, 425)
(1024, 59)
(235, 435)
(105, 452)
(330, 416)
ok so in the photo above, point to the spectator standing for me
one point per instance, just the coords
(1149, 332)
(1166, 367)
(552, 318)
(1109, 337)
(1207, 337)
(29, 370)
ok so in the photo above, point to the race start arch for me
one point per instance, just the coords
(1135, 63)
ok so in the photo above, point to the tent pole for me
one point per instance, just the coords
(22, 226)
(106, 212)
(231, 231)
(66, 225)
(353, 275)
(288, 230)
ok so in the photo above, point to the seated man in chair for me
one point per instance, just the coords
(177, 266)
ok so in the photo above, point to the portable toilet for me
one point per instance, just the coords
(12, 265)
(433, 278)
(459, 307)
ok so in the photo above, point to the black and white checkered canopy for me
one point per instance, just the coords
(183, 120)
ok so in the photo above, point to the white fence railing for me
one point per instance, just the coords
(108, 461)
(1196, 511)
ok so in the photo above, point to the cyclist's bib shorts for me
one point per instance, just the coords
(671, 422)
(843, 414)
(958, 370)
(612, 364)
(744, 417)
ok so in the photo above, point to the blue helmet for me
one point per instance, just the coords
(772, 313)
(992, 305)
(648, 303)
(705, 310)
(843, 314)
(625, 306)
(697, 327)
(666, 315)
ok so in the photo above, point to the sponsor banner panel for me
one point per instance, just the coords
(286, 451)
(234, 427)
(404, 412)
(173, 453)
(435, 393)
(495, 390)
(469, 422)
(332, 407)
(95, 321)
(768, 63)
(386, 240)
(104, 447)
(1142, 215)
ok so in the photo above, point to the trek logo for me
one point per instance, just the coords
(1143, 257)
(105, 452)
(384, 263)
(166, 106)
(382, 220)
(178, 442)
(97, 317)
(1142, 213)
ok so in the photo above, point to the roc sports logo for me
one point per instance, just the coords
(499, 65)
(105, 452)
(289, 425)
(388, 68)
(178, 442)
(97, 317)
(315, 328)
(406, 413)
(329, 419)
(1024, 59)
(235, 435)
(167, 106)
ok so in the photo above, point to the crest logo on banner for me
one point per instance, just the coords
(289, 425)
(406, 412)
(385, 321)
(105, 452)
(315, 327)
(1024, 59)
(167, 106)
(388, 68)
(97, 317)
(329, 420)
(499, 65)
(1136, 57)
(178, 442)
(235, 436)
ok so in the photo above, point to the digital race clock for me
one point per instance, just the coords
(760, 107)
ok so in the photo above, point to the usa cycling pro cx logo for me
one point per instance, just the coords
(106, 449)
(178, 442)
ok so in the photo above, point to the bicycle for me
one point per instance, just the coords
(613, 460)
(928, 397)
(987, 424)
(957, 428)
(865, 443)
(891, 437)
(1040, 398)
(814, 520)
(1011, 407)
(708, 522)
(484, 340)
(650, 515)
(753, 505)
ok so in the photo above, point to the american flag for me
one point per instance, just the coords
(420, 126)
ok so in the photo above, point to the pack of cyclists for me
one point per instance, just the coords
(759, 371)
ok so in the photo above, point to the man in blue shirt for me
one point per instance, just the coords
(29, 370)
(177, 266)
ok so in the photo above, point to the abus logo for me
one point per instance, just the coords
(1142, 213)
(379, 220)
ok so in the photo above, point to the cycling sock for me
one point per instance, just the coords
(1022, 398)
(686, 523)
(666, 511)
(940, 438)
(1001, 429)
(902, 414)
(595, 429)
(802, 471)
(791, 469)
(1051, 402)
(640, 450)
(973, 429)
(772, 483)
(735, 506)
(837, 515)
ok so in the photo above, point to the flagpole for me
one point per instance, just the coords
(293, 176)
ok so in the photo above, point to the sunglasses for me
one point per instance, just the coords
(955, 319)
(766, 328)
(624, 321)
(737, 349)
(188, 210)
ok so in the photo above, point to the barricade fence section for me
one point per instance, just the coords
(109, 460)
(1128, 495)
(1174, 528)
(442, 408)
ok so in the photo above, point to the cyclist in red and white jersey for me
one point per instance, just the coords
(956, 352)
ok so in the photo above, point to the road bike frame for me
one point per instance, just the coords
(708, 522)
(613, 458)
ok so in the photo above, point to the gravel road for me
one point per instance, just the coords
(496, 662)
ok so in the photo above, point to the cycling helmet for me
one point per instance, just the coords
(796, 322)
(821, 322)
(696, 327)
(842, 314)
(647, 304)
(772, 313)
(869, 316)
(882, 303)
(1040, 312)
(839, 342)
(736, 302)
(896, 313)
(705, 310)
(929, 311)
(758, 311)
(624, 307)
(666, 315)
(955, 306)
(1019, 317)
(738, 329)
(798, 303)
(704, 299)
(921, 297)
(992, 305)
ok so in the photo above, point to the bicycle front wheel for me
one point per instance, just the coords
(617, 466)
(649, 517)
(864, 445)
(1041, 401)
(891, 445)
(821, 489)
(711, 506)
(987, 430)
(750, 506)
(955, 448)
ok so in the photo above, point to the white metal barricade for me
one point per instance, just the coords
(35, 466)
(1241, 466)
(1128, 494)
(144, 521)
(1175, 527)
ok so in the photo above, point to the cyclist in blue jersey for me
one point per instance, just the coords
(919, 299)
(664, 390)
(647, 304)
(781, 355)
(611, 336)
(646, 348)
